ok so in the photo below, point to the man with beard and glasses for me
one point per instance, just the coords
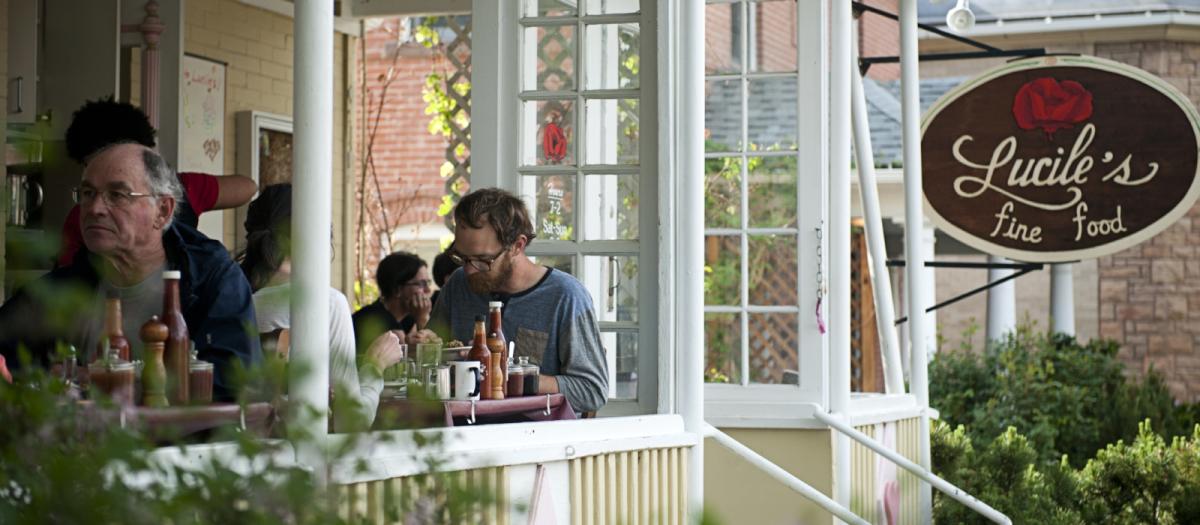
(547, 313)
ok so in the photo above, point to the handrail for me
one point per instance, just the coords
(785, 477)
(946, 487)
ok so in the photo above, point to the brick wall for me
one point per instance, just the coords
(1150, 294)
(407, 157)
(257, 45)
(879, 36)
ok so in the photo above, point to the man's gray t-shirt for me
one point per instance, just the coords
(138, 303)
(553, 323)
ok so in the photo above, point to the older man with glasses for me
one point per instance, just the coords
(547, 313)
(127, 201)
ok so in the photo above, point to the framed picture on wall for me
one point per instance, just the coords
(264, 153)
(202, 126)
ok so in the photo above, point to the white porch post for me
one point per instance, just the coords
(1001, 302)
(1062, 299)
(689, 318)
(910, 105)
(885, 316)
(841, 69)
(312, 188)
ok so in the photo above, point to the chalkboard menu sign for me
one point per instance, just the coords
(1060, 158)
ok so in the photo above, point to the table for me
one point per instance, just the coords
(414, 413)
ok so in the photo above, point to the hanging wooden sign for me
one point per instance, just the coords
(1060, 158)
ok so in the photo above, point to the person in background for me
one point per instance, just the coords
(547, 313)
(443, 266)
(103, 122)
(127, 199)
(404, 300)
(267, 265)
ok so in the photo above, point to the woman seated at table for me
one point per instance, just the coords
(267, 265)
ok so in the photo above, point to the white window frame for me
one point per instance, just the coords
(497, 151)
(773, 405)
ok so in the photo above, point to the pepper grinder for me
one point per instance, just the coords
(154, 375)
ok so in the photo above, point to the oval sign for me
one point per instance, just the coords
(1061, 158)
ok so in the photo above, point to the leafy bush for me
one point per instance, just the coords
(1066, 397)
(1146, 481)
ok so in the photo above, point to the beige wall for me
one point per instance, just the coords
(737, 492)
(257, 45)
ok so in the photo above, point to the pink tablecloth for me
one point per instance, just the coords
(546, 407)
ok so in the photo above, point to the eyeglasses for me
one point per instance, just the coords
(482, 264)
(423, 283)
(113, 198)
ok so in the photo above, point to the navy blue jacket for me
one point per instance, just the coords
(213, 293)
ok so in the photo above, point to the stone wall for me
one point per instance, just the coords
(1150, 294)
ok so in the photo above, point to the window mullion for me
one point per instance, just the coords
(744, 282)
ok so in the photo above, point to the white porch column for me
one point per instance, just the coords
(910, 105)
(1062, 299)
(689, 320)
(1001, 302)
(841, 70)
(885, 315)
(929, 288)
(312, 187)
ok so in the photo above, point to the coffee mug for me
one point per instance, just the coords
(437, 382)
(467, 380)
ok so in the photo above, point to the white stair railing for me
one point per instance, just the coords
(946, 487)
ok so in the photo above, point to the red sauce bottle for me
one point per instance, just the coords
(479, 352)
(113, 330)
(175, 355)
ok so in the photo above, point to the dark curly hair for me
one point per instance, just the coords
(268, 234)
(102, 122)
(504, 212)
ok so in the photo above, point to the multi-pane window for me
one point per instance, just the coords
(581, 166)
(752, 234)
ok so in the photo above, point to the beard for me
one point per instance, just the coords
(483, 283)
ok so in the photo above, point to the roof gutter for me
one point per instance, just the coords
(1098, 22)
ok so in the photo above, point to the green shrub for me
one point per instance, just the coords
(1066, 397)
(1143, 482)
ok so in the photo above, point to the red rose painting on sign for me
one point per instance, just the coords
(1051, 105)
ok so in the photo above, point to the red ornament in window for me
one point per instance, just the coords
(554, 142)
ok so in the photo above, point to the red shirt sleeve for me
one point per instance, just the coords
(72, 237)
(202, 190)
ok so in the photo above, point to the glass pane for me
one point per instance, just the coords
(625, 344)
(722, 270)
(548, 8)
(773, 344)
(612, 131)
(611, 211)
(723, 192)
(722, 39)
(772, 268)
(550, 125)
(274, 157)
(612, 280)
(772, 187)
(562, 263)
(722, 348)
(613, 56)
(553, 67)
(722, 115)
(773, 32)
(609, 7)
(772, 120)
(553, 205)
